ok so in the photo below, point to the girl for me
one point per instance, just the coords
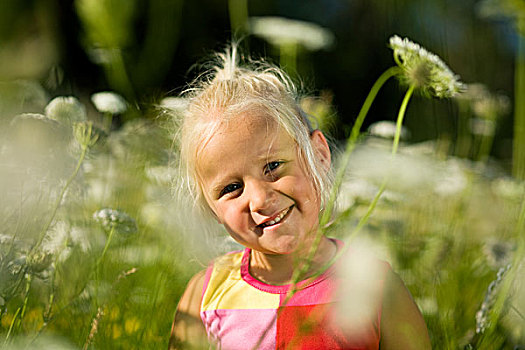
(255, 164)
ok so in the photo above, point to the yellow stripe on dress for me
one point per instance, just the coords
(227, 290)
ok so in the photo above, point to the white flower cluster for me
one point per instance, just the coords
(115, 219)
(109, 102)
(424, 69)
(282, 31)
(66, 109)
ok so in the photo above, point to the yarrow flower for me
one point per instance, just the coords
(115, 219)
(66, 110)
(425, 70)
(109, 102)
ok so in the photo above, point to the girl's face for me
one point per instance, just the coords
(255, 183)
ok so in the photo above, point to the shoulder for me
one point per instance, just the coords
(190, 301)
(402, 325)
(187, 326)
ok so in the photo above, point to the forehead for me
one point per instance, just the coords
(251, 135)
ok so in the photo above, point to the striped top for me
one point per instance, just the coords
(241, 312)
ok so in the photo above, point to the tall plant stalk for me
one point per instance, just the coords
(518, 150)
(299, 272)
(58, 201)
(238, 10)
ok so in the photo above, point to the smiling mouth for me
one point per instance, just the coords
(277, 219)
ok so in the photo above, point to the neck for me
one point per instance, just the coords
(278, 269)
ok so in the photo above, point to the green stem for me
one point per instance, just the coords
(11, 326)
(108, 121)
(238, 10)
(118, 76)
(400, 117)
(352, 141)
(99, 262)
(362, 222)
(485, 147)
(58, 201)
(29, 280)
(463, 138)
(288, 57)
(325, 218)
(518, 157)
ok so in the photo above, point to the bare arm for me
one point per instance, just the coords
(402, 325)
(188, 330)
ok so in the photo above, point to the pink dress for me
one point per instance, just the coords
(241, 312)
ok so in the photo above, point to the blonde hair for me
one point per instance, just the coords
(231, 89)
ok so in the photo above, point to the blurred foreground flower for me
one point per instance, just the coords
(66, 110)
(109, 102)
(501, 8)
(280, 31)
(115, 219)
(362, 275)
(424, 70)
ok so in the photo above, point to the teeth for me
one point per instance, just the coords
(277, 219)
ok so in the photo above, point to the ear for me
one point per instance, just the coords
(321, 148)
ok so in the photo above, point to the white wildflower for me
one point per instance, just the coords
(4, 239)
(162, 175)
(452, 182)
(109, 102)
(472, 92)
(280, 31)
(508, 188)
(491, 106)
(423, 69)
(63, 235)
(66, 110)
(482, 127)
(387, 129)
(501, 8)
(361, 275)
(115, 219)
(428, 306)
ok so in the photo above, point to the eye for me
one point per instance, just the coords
(230, 188)
(271, 166)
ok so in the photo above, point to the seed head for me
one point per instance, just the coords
(115, 219)
(66, 110)
(423, 69)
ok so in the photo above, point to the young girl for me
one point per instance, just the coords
(255, 164)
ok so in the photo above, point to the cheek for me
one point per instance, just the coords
(229, 215)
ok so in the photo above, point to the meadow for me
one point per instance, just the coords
(97, 242)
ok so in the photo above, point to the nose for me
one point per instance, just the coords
(260, 195)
